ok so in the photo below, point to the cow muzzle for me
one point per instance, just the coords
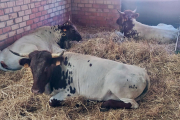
(36, 91)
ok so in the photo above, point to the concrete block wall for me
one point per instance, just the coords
(95, 12)
(20, 17)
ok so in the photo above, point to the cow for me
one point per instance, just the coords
(68, 74)
(44, 38)
(162, 33)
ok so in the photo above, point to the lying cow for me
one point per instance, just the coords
(72, 74)
(162, 33)
(44, 38)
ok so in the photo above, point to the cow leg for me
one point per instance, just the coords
(56, 100)
(122, 103)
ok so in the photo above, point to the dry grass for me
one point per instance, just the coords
(161, 102)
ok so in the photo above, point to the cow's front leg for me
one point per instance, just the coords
(56, 100)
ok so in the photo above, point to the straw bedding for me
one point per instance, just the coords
(161, 102)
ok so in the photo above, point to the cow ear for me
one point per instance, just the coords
(135, 15)
(25, 62)
(57, 61)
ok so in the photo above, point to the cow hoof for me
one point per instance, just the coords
(55, 103)
(104, 109)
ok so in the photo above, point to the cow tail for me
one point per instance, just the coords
(145, 89)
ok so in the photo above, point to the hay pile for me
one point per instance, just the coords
(161, 102)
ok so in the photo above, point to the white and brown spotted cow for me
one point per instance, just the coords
(118, 85)
(44, 38)
(162, 33)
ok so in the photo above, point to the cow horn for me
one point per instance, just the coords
(56, 55)
(120, 12)
(134, 10)
(20, 54)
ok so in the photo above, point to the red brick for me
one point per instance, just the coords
(39, 24)
(12, 33)
(36, 20)
(38, 14)
(2, 24)
(1, 12)
(27, 28)
(21, 30)
(12, 15)
(11, 4)
(50, 11)
(52, 15)
(26, 18)
(1, 31)
(44, 12)
(61, 3)
(43, 3)
(33, 26)
(16, 9)
(54, 9)
(88, 5)
(9, 41)
(21, 13)
(55, 18)
(46, 7)
(4, 17)
(17, 37)
(18, 20)
(110, 6)
(37, 4)
(34, 10)
(4, 36)
(2, 45)
(29, 22)
(32, 5)
(10, 22)
(32, 16)
(3, 5)
(45, 22)
(14, 27)
(24, 7)
(51, 5)
(22, 24)
(27, 12)
(41, 8)
(41, 18)
(27, 1)
(19, 2)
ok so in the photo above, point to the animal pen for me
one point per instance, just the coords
(96, 22)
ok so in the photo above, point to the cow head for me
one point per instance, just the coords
(125, 21)
(41, 64)
(68, 33)
(127, 15)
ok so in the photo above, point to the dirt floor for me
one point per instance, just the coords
(161, 102)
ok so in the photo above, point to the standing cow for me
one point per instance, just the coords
(44, 38)
(118, 85)
(131, 28)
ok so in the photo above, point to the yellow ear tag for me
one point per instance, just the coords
(26, 65)
(57, 63)
(64, 30)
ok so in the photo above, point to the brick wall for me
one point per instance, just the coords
(95, 12)
(20, 17)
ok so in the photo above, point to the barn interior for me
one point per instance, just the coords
(95, 20)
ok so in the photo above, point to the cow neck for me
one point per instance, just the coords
(59, 75)
(129, 28)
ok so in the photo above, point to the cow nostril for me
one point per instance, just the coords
(35, 91)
